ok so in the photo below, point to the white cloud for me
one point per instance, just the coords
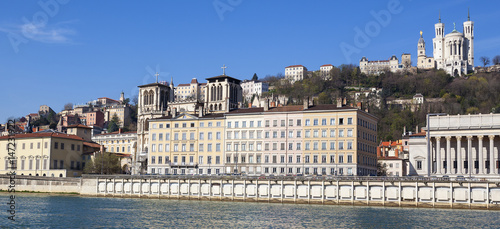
(57, 33)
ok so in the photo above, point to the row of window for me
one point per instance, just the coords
(184, 125)
(183, 159)
(251, 135)
(36, 164)
(267, 146)
(298, 122)
(57, 145)
(267, 170)
(282, 159)
(298, 146)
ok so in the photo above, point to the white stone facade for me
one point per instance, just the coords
(454, 52)
(457, 140)
(251, 87)
(377, 67)
(295, 73)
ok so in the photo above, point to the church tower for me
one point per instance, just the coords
(152, 103)
(469, 41)
(438, 42)
(421, 46)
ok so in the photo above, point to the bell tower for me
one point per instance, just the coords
(469, 41)
(153, 103)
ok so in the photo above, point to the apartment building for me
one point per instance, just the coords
(317, 139)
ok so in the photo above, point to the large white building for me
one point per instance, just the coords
(295, 73)
(325, 70)
(376, 67)
(460, 145)
(253, 87)
(454, 52)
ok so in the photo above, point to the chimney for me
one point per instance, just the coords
(266, 104)
(396, 152)
(306, 103)
(345, 101)
(119, 130)
(358, 105)
(174, 112)
(378, 151)
(273, 104)
(339, 102)
(404, 130)
(249, 105)
(200, 112)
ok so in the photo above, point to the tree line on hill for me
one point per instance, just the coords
(471, 94)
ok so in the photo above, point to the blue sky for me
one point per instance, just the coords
(76, 51)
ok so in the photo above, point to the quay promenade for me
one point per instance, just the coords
(373, 191)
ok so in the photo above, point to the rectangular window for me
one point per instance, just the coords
(341, 133)
(349, 121)
(282, 134)
(349, 145)
(202, 135)
(209, 147)
(341, 158)
(267, 123)
(308, 122)
(332, 145)
(315, 146)
(191, 136)
(259, 123)
(56, 145)
(315, 122)
(160, 160)
(332, 158)
(349, 133)
(323, 122)
(299, 122)
(332, 121)
(323, 133)
(251, 123)
(349, 158)
(184, 136)
(316, 133)
(341, 145)
(306, 160)
(217, 135)
(299, 134)
(290, 122)
(176, 136)
(153, 137)
(290, 146)
(298, 146)
(315, 159)
(341, 121)
(217, 147)
(167, 136)
(152, 159)
(282, 122)
(323, 145)
(308, 134)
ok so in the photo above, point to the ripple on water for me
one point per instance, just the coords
(61, 211)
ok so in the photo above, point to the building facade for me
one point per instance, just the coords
(454, 52)
(253, 87)
(320, 139)
(121, 143)
(51, 154)
(460, 145)
(325, 71)
(295, 73)
(377, 67)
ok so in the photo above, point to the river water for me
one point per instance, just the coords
(67, 211)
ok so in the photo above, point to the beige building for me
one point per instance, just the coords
(47, 153)
(377, 67)
(424, 62)
(310, 139)
(123, 144)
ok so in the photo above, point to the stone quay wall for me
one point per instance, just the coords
(398, 192)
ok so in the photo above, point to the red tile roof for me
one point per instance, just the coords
(194, 80)
(291, 66)
(324, 65)
(117, 132)
(183, 85)
(79, 126)
(91, 144)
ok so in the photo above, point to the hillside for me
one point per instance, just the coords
(473, 94)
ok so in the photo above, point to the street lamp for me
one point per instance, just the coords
(429, 153)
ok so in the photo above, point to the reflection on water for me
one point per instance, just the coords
(42, 210)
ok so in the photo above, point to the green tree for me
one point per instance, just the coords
(103, 163)
(381, 169)
(255, 77)
(114, 124)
